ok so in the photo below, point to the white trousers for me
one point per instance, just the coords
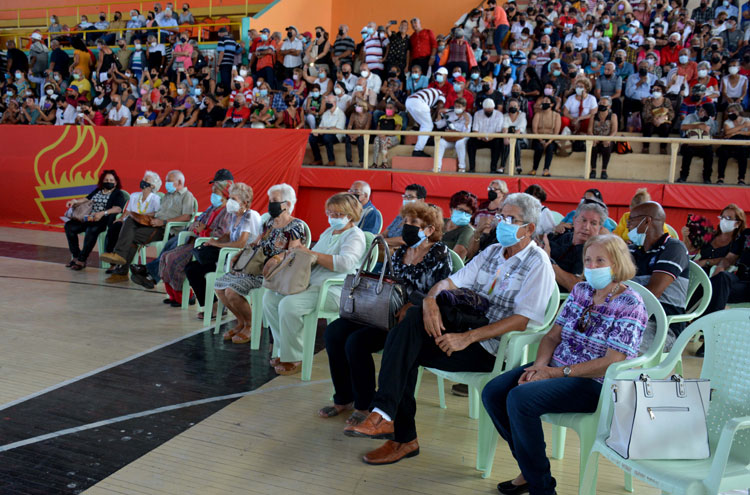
(420, 112)
(460, 147)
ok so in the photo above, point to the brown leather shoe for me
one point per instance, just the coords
(116, 279)
(391, 452)
(113, 258)
(374, 426)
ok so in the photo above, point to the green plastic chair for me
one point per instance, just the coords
(727, 364)
(671, 231)
(585, 423)
(557, 216)
(456, 260)
(168, 228)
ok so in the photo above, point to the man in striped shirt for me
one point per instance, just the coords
(419, 106)
(375, 48)
(343, 47)
(227, 48)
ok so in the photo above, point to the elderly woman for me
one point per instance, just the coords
(280, 233)
(602, 322)
(657, 115)
(458, 230)
(107, 200)
(419, 264)
(339, 251)
(214, 222)
(579, 107)
(244, 227)
(604, 123)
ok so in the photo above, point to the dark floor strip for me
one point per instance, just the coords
(35, 252)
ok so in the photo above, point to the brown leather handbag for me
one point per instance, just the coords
(82, 211)
(292, 275)
(373, 299)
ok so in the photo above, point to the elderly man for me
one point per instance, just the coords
(177, 205)
(608, 84)
(697, 125)
(332, 118)
(638, 89)
(343, 48)
(371, 219)
(516, 278)
(374, 82)
(345, 75)
(488, 121)
(423, 46)
(412, 193)
(291, 51)
(566, 250)
(661, 265)
(119, 114)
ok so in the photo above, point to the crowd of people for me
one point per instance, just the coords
(592, 67)
(452, 318)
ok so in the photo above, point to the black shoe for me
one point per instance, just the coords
(519, 170)
(604, 175)
(71, 263)
(140, 269)
(701, 351)
(420, 153)
(740, 182)
(111, 269)
(681, 179)
(592, 174)
(707, 181)
(167, 301)
(460, 390)
(191, 301)
(120, 270)
(508, 488)
(144, 280)
(719, 181)
(175, 304)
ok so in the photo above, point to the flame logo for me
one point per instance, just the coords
(69, 167)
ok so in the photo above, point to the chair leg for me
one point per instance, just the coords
(587, 437)
(441, 392)
(588, 484)
(419, 382)
(219, 310)
(628, 482)
(558, 441)
(256, 320)
(100, 240)
(309, 323)
(186, 293)
(678, 366)
(486, 444)
(208, 306)
(474, 402)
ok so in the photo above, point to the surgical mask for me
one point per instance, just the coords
(389, 112)
(456, 75)
(506, 234)
(321, 76)
(243, 72)
(439, 78)
(579, 91)
(180, 91)
(144, 108)
(413, 235)
(338, 223)
(338, 90)
(407, 201)
(727, 226)
(457, 87)
(734, 70)
(475, 76)
(137, 46)
(264, 37)
(170, 187)
(232, 206)
(478, 53)
(702, 73)
(556, 73)
(153, 44)
(635, 237)
(358, 108)
(458, 111)
(547, 30)
(415, 76)
(315, 94)
(18, 75)
(50, 92)
(197, 91)
(98, 100)
(275, 208)
(683, 59)
(263, 92)
(364, 74)
(460, 218)
(216, 200)
(598, 278)
(358, 88)
(75, 76)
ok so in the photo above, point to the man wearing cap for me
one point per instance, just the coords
(39, 58)
(291, 50)
(697, 97)
(442, 84)
(419, 106)
(698, 125)
(226, 48)
(265, 54)
(487, 121)
(459, 86)
(240, 86)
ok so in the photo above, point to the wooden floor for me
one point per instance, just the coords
(57, 324)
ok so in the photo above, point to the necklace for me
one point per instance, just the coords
(585, 320)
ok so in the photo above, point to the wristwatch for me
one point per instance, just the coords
(566, 372)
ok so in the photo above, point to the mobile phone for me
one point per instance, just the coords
(393, 23)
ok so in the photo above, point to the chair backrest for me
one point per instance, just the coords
(653, 355)
(698, 278)
(127, 196)
(369, 237)
(557, 216)
(264, 218)
(380, 219)
(308, 234)
(672, 232)
(458, 263)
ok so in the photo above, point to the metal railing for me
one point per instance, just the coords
(674, 144)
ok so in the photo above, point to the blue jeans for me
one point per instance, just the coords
(500, 33)
(153, 266)
(516, 409)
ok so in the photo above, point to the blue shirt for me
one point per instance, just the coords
(412, 86)
(632, 90)
(371, 221)
(395, 228)
(609, 224)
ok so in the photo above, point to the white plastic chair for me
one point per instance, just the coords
(727, 364)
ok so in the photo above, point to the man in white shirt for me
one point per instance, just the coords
(488, 121)
(119, 115)
(373, 80)
(332, 118)
(291, 50)
(345, 75)
(458, 120)
(66, 113)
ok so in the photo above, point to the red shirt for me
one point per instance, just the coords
(422, 44)
(447, 89)
(267, 59)
(670, 55)
(468, 96)
(501, 17)
(237, 115)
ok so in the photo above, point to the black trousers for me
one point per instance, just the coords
(739, 153)
(727, 288)
(225, 73)
(360, 142)
(92, 231)
(495, 146)
(196, 275)
(688, 152)
(605, 151)
(649, 129)
(631, 106)
(350, 347)
(113, 233)
(328, 140)
(506, 154)
(423, 63)
(134, 234)
(548, 153)
(407, 347)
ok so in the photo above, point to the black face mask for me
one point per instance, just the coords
(111, 185)
(237, 86)
(642, 72)
(318, 35)
(732, 116)
(602, 108)
(341, 32)
(568, 49)
(392, 74)
(515, 94)
(492, 195)
(144, 184)
(618, 60)
(289, 34)
(488, 113)
(714, 47)
(184, 9)
(275, 209)
(486, 88)
(672, 43)
(545, 106)
(236, 104)
(716, 60)
(410, 234)
(329, 106)
(512, 110)
(705, 118)
(544, 46)
(101, 18)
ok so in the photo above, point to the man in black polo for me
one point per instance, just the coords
(661, 265)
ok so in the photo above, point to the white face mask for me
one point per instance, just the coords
(232, 206)
(579, 91)
(458, 111)
(144, 108)
(702, 73)
(180, 91)
(364, 73)
(153, 44)
(727, 226)
(656, 94)
(338, 90)
(734, 70)
(50, 92)
(243, 72)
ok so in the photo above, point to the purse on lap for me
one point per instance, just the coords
(251, 260)
(81, 211)
(292, 275)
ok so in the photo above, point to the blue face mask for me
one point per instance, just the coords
(263, 92)
(439, 78)
(338, 223)
(635, 237)
(478, 53)
(506, 234)
(598, 278)
(547, 30)
(264, 37)
(170, 187)
(315, 94)
(407, 201)
(460, 218)
(216, 200)
(457, 87)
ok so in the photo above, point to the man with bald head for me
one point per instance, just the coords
(371, 220)
(661, 265)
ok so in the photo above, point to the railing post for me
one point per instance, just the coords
(674, 147)
(210, 7)
(46, 11)
(18, 19)
(511, 163)
(246, 11)
(366, 152)
(436, 165)
(587, 160)
(78, 12)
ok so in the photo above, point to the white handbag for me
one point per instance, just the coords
(660, 419)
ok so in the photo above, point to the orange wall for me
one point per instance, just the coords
(303, 14)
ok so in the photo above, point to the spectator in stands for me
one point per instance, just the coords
(419, 105)
(488, 121)
(698, 125)
(107, 200)
(59, 61)
(331, 118)
(238, 114)
(416, 80)
(119, 114)
(604, 123)
(227, 48)
(458, 230)
(374, 81)
(38, 58)
(339, 251)
(546, 219)
(458, 120)
(412, 193)
(657, 116)
(291, 50)
(343, 49)
(423, 46)
(736, 127)
(442, 83)
(733, 86)
(715, 244)
(572, 360)
(145, 217)
(361, 119)
(580, 107)
(186, 17)
(545, 121)
(82, 58)
(420, 264)
(168, 25)
(638, 88)
(514, 122)
(485, 218)
(589, 196)
(661, 265)
(16, 59)
(566, 250)
(318, 53)
(420, 339)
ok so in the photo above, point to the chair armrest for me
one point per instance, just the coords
(184, 236)
(202, 240)
(723, 449)
(224, 257)
(511, 348)
(172, 225)
(331, 282)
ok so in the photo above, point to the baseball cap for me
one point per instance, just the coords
(222, 174)
(265, 30)
(460, 79)
(292, 27)
(442, 70)
(488, 103)
(36, 36)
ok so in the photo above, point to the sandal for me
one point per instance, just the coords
(287, 369)
(332, 411)
(533, 172)
(356, 418)
(274, 362)
(545, 173)
(229, 334)
(78, 266)
(71, 263)
(240, 338)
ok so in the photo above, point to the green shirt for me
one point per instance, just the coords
(460, 236)
(176, 204)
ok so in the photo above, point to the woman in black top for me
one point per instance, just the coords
(107, 201)
(398, 47)
(419, 265)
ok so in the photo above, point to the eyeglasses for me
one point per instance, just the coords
(408, 196)
(509, 219)
(354, 193)
(335, 214)
(722, 217)
(496, 189)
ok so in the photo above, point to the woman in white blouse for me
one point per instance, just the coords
(514, 122)
(579, 107)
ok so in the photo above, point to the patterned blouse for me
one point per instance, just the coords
(435, 266)
(275, 240)
(397, 48)
(99, 202)
(618, 325)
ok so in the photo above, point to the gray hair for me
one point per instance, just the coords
(600, 210)
(287, 194)
(704, 64)
(242, 191)
(155, 180)
(365, 187)
(614, 65)
(177, 175)
(530, 207)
